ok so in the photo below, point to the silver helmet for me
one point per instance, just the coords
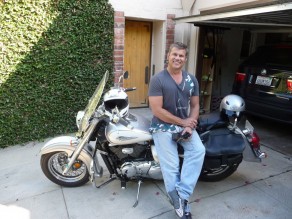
(232, 105)
(116, 98)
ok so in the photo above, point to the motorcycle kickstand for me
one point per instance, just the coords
(106, 182)
(138, 192)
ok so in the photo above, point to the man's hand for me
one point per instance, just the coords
(187, 130)
(190, 122)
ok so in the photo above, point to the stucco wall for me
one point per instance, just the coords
(147, 9)
(202, 5)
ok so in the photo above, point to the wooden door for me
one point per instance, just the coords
(137, 61)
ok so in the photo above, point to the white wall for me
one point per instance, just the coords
(202, 5)
(158, 48)
(147, 9)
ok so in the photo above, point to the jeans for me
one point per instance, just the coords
(194, 152)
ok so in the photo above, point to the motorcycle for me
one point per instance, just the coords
(108, 131)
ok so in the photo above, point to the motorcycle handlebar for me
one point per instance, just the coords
(125, 123)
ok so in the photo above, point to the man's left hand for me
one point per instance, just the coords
(188, 130)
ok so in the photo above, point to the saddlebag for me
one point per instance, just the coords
(222, 141)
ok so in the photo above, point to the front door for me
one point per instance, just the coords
(137, 61)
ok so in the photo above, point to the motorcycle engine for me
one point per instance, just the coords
(134, 162)
(134, 169)
(128, 151)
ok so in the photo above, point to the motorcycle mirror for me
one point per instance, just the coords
(126, 74)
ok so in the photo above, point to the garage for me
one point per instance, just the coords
(229, 35)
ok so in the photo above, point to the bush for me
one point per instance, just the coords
(52, 56)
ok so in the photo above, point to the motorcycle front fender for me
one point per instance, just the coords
(66, 144)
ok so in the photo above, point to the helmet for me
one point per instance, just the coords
(116, 98)
(232, 105)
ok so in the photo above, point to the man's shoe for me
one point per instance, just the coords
(187, 210)
(177, 203)
(188, 215)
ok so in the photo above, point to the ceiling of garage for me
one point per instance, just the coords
(273, 16)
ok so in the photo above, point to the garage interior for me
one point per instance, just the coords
(228, 36)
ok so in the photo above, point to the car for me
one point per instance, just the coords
(264, 81)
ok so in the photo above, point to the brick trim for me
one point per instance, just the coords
(119, 43)
(170, 25)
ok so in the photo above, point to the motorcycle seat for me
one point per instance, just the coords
(210, 120)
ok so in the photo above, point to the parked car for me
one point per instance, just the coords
(264, 80)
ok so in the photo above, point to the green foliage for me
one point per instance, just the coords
(52, 56)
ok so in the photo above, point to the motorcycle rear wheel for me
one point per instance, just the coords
(217, 174)
(52, 165)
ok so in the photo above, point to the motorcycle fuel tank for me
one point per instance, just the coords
(118, 134)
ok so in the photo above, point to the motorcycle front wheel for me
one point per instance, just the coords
(53, 164)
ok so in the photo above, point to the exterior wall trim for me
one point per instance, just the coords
(119, 43)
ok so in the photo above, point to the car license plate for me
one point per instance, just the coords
(266, 81)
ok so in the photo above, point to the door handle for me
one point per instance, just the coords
(146, 75)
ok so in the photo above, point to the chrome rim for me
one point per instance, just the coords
(57, 163)
(217, 171)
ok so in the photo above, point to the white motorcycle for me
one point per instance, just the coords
(122, 139)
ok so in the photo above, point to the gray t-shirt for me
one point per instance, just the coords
(176, 97)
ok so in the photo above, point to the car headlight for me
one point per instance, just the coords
(79, 117)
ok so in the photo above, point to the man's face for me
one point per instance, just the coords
(176, 58)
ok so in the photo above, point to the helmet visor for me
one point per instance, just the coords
(230, 113)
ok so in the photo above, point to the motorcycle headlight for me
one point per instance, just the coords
(79, 117)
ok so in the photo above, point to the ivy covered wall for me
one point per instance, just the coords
(53, 53)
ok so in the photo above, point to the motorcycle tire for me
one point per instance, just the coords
(52, 165)
(217, 174)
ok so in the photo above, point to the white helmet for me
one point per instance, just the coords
(116, 98)
(232, 105)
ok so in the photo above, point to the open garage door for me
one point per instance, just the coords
(215, 82)
(275, 15)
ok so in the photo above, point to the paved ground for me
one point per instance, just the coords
(256, 190)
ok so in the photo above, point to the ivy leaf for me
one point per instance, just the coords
(48, 67)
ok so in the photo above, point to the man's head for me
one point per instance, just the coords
(179, 45)
(177, 56)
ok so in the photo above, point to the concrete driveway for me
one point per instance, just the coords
(256, 190)
(274, 135)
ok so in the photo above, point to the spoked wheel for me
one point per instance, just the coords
(53, 165)
(217, 174)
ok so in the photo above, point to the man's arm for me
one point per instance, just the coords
(156, 103)
(194, 107)
(194, 113)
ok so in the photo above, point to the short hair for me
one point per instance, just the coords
(179, 45)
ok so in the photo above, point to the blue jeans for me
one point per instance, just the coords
(194, 152)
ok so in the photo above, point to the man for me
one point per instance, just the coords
(174, 101)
